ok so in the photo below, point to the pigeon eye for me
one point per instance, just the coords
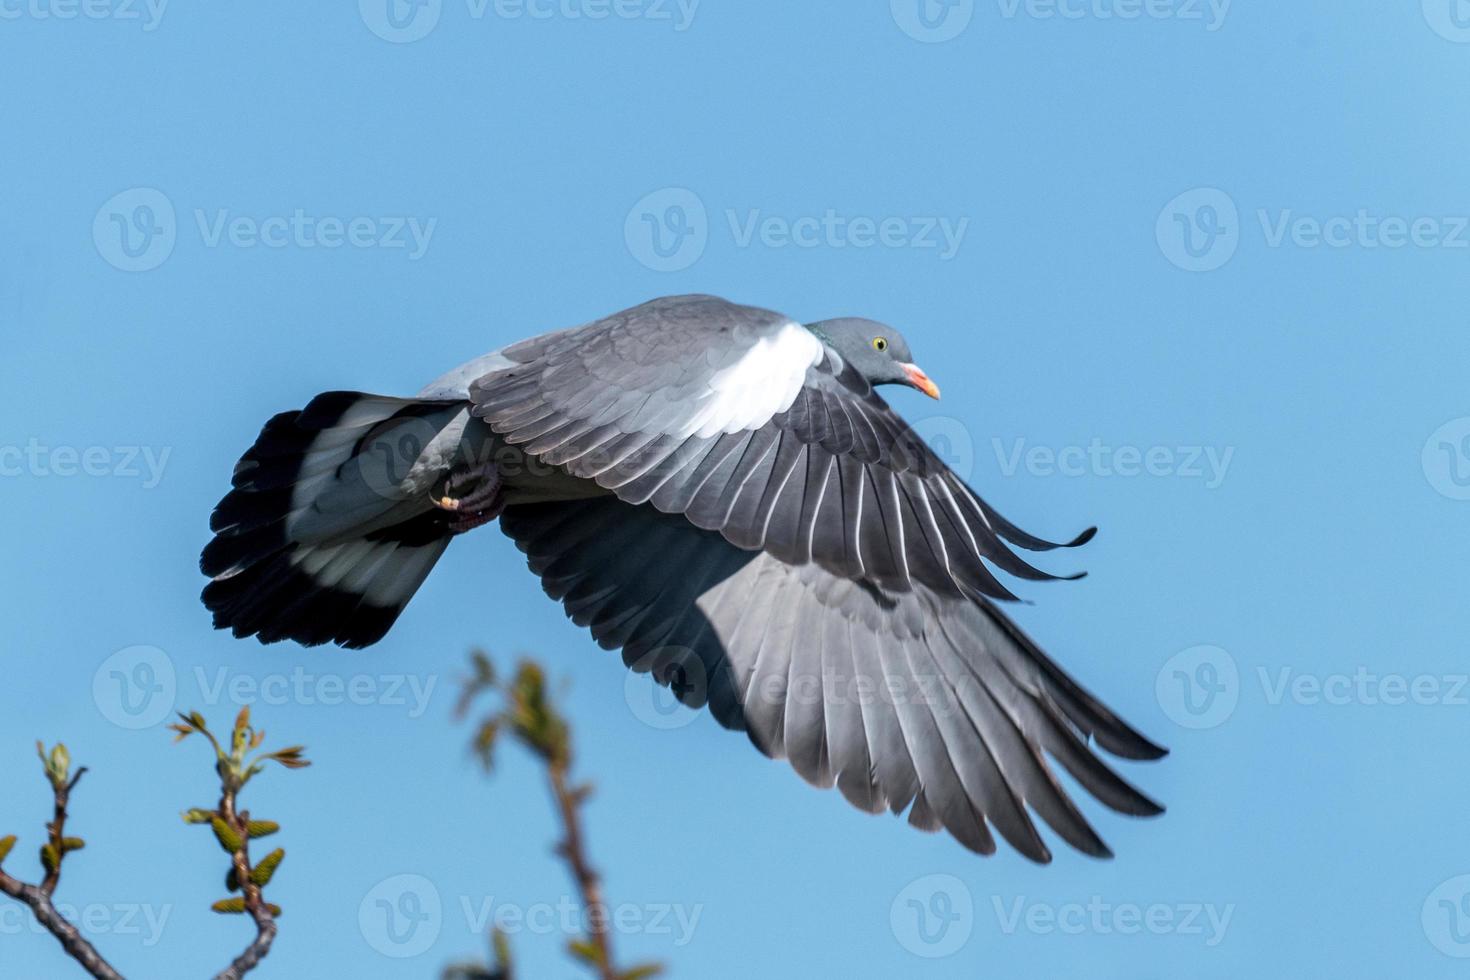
(880, 344)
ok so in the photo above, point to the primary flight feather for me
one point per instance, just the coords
(719, 492)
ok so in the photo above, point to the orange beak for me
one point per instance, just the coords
(920, 380)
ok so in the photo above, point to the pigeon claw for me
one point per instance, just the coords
(474, 498)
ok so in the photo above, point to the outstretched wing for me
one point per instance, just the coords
(744, 422)
(913, 700)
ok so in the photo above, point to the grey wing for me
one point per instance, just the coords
(801, 459)
(743, 422)
(914, 701)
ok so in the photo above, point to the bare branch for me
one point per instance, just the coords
(67, 934)
(38, 897)
(589, 883)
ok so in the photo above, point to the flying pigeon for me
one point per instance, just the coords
(720, 492)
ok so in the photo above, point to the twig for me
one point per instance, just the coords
(234, 829)
(255, 906)
(67, 934)
(528, 713)
(568, 803)
(38, 897)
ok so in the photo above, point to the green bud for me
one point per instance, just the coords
(197, 815)
(585, 950)
(261, 828)
(262, 873)
(6, 843)
(230, 906)
(226, 835)
(642, 972)
(69, 844)
(49, 859)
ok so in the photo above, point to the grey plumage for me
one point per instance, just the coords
(721, 494)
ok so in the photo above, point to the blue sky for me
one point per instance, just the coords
(1195, 273)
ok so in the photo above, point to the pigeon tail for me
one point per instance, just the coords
(336, 518)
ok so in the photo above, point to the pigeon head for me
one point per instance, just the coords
(877, 351)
